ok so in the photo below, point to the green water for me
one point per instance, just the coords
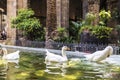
(32, 67)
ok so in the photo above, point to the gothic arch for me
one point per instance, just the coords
(75, 10)
(39, 7)
(3, 8)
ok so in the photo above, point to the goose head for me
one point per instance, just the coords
(110, 49)
(3, 51)
(0, 52)
(64, 48)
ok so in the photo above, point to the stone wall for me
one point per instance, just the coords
(57, 13)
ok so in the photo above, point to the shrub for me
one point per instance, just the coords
(29, 24)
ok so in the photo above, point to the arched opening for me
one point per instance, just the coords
(39, 7)
(103, 4)
(75, 10)
(3, 9)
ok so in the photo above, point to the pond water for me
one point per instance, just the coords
(31, 66)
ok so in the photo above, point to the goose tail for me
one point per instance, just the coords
(18, 51)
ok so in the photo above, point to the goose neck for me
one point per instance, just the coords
(64, 54)
(4, 52)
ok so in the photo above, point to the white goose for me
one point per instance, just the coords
(10, 56)
(100, 55)
(51, 57)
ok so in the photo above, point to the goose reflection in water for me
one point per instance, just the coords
(56, 68)
(6, 63)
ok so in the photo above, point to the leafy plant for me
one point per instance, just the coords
(26, 22)
(59, 34)
(102, 32)
(104, 16)
(74, 30)
(89, 18)
(118, 30)
(99, 32)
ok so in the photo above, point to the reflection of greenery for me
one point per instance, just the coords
(29, 67)
(32, 68)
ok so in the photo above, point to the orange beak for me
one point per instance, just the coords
(68, 48)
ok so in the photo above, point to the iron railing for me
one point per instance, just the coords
(82, 47)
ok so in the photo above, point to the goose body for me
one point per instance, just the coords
(113, 59)
(10, 56)
(51, 57)
(100, 55)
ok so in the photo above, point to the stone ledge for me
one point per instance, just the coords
(42, 51)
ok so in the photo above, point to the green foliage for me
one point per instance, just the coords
(118, 27)
(61, 30)
(116, 15)
(104, 15)
(89, 27)
(76, 27)
(26, 22)
(118, 30)
(102, 31)
(60, 35)
(74, 30)
(89, 18)
(98, 31)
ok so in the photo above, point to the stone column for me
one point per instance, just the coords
(58, 12)
(22, 4)
(85, 8)
(11, 13)
(51, 22)
(65, 13)
(93, 6)
(62, 12)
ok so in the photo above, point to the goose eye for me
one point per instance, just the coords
(108, 55)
